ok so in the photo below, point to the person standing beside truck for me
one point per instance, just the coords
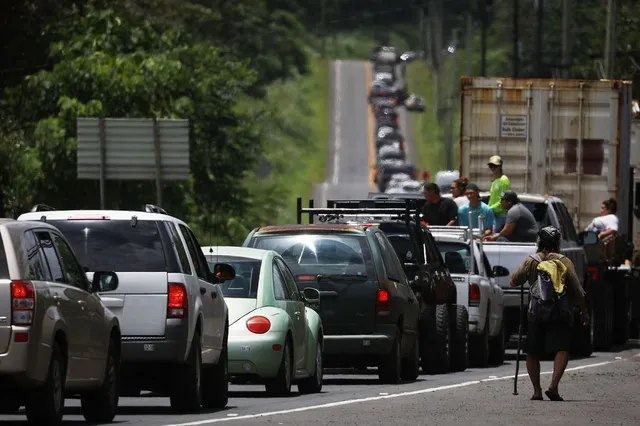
(459, 191)
(607, 223)
(499, 184)
(438, 211)
(477, 208)
(552, 334)
(520, 224)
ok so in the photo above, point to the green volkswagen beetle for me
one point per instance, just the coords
(275, 334)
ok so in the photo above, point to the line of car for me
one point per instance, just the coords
(104, 303)
(389, 90)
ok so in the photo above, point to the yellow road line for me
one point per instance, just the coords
(370, 129)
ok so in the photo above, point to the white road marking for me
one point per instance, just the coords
(378, 398)
(337, 116)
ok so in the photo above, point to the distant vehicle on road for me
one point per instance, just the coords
(368, 311)
(275, 335)
(391, 152)
(385, 172)
(173, 317)
(57, 339)
(415, 103)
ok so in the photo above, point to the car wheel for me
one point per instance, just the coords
(215, 383)
(390, 367)
(497, 347)
(411, 364)
(313, 384)
(101, 405)
(46, 404)
(459, 344)
(281, 385)
(9, 406)
(186, 395)
(480, 347)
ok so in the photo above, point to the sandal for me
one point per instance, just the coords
(553, 395)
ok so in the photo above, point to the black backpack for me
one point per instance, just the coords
(545, 304)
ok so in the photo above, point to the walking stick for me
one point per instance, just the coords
(515, 378)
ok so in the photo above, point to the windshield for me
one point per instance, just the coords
(115, 245)
(326, 254)
(245, 284)
(457, 256)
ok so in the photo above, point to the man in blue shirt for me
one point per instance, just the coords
(477, 208)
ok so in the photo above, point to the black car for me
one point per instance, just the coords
(385, 112)
(388, 121)
(392, 167)
(443, 323)
(369, 312)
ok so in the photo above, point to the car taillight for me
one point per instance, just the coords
(23, 302)
(307, 277)
(474, 295)
(382, 302)
(177, 301)
(593, 272)
(258, 324)
(396, 120)
(414, 173)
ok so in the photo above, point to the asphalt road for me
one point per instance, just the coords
(599, 390)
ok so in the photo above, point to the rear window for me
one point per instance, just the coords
(245, 284)
(4, 267)
(403, 247)
(115, 245)
(539, 210)
(327, 254)
(457, 256)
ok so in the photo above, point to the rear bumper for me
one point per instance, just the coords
(24, 364)
(377, 343)
(255, 355)
(172, 347)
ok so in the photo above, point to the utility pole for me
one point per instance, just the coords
(539, 37)
(610, 43)
(516, 38)
(483, 37)
(566, 49)
(452, 49)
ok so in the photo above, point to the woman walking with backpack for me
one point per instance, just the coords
(554, 289)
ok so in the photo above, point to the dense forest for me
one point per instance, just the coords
(212, 61)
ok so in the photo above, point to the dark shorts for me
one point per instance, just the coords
(548, 338)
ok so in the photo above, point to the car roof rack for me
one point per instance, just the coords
(41, 208)
(152, 208)
(337, 209)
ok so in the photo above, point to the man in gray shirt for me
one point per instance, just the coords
(520, 225)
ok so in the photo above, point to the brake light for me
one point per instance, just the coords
(88, 218)
(396, 119)
(474, 294)
(23, 302)
(258, 324)
(414, 173)
(177, 301)
(307, 277)
(594, 272)
(382, 302)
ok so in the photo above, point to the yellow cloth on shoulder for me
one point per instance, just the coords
(557, 271)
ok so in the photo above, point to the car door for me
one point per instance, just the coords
(95, 332)
(71, 309)
(299, 312)
(285, 302)
(211, 329)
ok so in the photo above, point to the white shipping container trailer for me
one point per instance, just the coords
(568, 138)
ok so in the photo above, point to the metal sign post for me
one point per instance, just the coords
(133, 149)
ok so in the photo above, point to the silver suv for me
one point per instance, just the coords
(56, 336)
(173, 316)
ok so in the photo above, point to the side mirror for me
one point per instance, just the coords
(587, 238)
(500, 271)
(104, 281)
(224, 272)
(311, 296)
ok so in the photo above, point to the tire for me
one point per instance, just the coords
(441, 348)
(313, 383)
(46, 404)
(101, 405)
(621, 310)
(281, 385)
(186, 395)
(9, 406)
(215, 382)
(602, 308)
(459, 343)
(497, 346)
(479, 354)
(581, 338)
(390, 368)
(426, 337)
(410, 369)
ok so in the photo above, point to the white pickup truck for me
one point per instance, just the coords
(477, 289)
